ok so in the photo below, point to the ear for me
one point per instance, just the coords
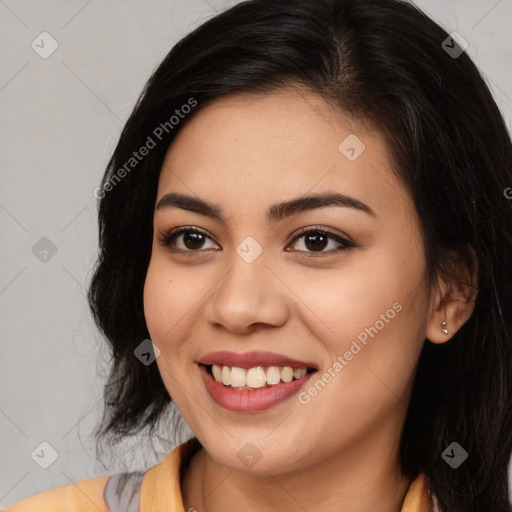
(453, 300)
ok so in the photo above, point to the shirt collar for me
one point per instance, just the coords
(155, 496)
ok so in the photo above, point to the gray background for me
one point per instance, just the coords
(60, 120)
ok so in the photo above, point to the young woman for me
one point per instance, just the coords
(307, 215)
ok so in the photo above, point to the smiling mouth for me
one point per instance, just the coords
(256, 378)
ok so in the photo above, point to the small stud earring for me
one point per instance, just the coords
(444, 330)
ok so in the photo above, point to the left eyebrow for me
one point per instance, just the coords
(275, 212)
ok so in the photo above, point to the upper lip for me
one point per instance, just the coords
(252, 359)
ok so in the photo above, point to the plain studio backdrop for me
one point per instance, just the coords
(63, 103)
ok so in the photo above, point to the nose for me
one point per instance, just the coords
(248, 297)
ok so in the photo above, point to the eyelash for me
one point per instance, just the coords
(167, 237)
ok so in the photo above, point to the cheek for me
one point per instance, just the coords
(374, 318)
(167, 300)
(156, 301)
(372, 358)
(344, 304)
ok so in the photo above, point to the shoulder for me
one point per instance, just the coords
(83, 496)
(116, 493)
(157, 488)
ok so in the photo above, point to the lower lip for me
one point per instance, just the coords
(243, 400)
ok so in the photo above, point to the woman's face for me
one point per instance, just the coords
(351, 306)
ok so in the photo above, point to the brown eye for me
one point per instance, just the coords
(192, 240)
(316, 240)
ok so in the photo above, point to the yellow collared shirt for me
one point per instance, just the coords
(147, 494)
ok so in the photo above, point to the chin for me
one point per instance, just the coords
(258, 458)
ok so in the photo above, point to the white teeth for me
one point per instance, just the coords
(298, 373)
(238, 377)
(286, 374)
(273, 375)
(217, 372)
(257, 377)
(226, 375)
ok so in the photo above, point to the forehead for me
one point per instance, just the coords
(254, 149)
